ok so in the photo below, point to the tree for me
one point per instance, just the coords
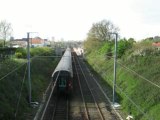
(101, 30)
(124, 45)
(131, 40)
(5, 30)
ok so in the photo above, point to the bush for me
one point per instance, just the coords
(21, 53)
(123, 46)
(10, 86)
(18, 54)
(145, 95)
(42, 51)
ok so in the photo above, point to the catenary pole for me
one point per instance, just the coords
(115, 69)
(29, 76)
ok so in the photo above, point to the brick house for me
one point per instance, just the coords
(156, 45)
(34, 42)
(37, 42)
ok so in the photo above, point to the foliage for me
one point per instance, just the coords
(107, 49)
(42, 51)
(5, 30)
(1, 43)
(101, 30)
(98, 35)
(10, 86)
(18, 55)
(124, 45)
(21, 53)
(37, 51)
(142, 93)
(91, 45)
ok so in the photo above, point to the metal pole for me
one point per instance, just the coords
(29, 77)
(115, 70)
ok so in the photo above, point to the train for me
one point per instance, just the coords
(63, 73)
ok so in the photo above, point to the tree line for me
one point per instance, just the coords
(5, 32)
(101, 33)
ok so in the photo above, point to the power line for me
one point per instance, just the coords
(24, 64)
(17, 106)
(53, 88)
(128, 69)
(134, 103)
(139, 75)
(12, 71)
(46, 57)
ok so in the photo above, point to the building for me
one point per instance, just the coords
(156, 45)
(18, 43)
(37, 42)
(34, 42)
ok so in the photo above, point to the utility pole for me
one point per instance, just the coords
(115, 69)
(29, 76)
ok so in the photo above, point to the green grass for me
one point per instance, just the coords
(145, 95)
(41, 70)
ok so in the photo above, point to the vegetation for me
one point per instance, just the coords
(10, 86)
(39, 51)
(135, 67)
(101, 30)
(5, 30)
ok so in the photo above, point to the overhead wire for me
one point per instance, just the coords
(134, 103)
(134, 72)
(138, 107)
(12, 71)
(19, 97)
(16, 68)
(50, 95)
(138, 75)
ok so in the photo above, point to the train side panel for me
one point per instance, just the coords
(64, 69)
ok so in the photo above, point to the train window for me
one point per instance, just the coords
(62, 82)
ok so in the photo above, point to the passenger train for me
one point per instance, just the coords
(64, 73)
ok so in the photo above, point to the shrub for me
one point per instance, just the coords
(18, 54)
(21, 53)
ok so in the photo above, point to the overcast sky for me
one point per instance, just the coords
(72, 19)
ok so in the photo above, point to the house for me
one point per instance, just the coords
(47, 43)
(37, 42)
(18, 43)
(156, 45)
(34, 42)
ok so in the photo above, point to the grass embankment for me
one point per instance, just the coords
(10, 86)
(137, 95)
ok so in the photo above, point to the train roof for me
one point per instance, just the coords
(65, 63)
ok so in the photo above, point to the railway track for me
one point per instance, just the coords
(96, 105)
(92, 108)
(87, 101)
(57, 107)
(100, 95)
(61, 108)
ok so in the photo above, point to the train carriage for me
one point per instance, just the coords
(64, 73)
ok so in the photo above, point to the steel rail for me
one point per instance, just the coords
(117, 113)
(56, 107)
(97, 106)
(54, 85)
(84, 103)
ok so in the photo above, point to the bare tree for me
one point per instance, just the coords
(5, 30)
(101, 30)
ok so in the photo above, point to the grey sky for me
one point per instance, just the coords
(72, 19)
